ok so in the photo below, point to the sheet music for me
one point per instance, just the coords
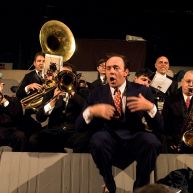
(52, 59)
(160, 82)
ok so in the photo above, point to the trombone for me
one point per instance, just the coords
(35, 99)
(66, 81)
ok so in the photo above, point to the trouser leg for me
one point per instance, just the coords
(102, 149)
(148, 150)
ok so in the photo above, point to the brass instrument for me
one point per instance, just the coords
(65, 81)
(35, 99)
(187, 136)
(57, 39)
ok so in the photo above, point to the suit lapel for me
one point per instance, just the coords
(36, 77)
(181, 103)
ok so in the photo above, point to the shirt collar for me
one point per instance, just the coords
(185, 97)
(160, 73)
(121, 88)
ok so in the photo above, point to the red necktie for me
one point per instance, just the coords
(118, 101)
(188, 102)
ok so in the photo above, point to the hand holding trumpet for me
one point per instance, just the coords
(34, 86)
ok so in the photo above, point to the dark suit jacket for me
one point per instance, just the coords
(61, 115)
(131, 122)
(96, 83)
(11, 115)
(29, 78)
(174, 113)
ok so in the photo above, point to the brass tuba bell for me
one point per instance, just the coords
(57, 39)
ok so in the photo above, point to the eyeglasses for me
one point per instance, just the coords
(102, 66)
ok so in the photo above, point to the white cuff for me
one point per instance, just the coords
(153, 111)
(6, 103)
(87, 115)
(27, 90)
(48, 108)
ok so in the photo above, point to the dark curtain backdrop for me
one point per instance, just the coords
(89, 51)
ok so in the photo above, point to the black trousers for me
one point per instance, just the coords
(13, 137)
(108, 150)
(55, 140)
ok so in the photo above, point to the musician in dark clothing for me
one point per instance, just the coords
(31, 83)
(61, 108)
(11, 115)
(33, 80)
(178, 115)
(119, 135)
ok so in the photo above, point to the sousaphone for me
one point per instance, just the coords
(57, 39)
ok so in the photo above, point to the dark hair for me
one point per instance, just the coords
(69, 65)
(100, 61)
(145, 72)
(39, 54)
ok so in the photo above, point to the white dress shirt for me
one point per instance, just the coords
(88, 116)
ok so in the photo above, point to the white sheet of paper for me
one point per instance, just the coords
(161, 83)
(49, 59)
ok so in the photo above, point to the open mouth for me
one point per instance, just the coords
(112, 78)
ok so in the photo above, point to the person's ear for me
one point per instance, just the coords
(126, 72)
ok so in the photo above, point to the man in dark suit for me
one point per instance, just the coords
(11, 115)
(119, 137)
(178, 115)
(101, 79)
(33, 80)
